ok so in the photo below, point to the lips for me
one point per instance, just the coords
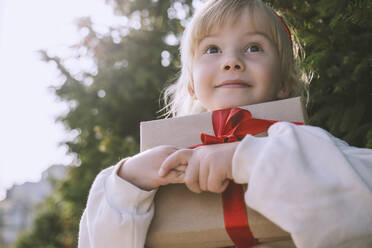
(233, 84)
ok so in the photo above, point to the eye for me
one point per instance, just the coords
(254, 48)
(212, 49)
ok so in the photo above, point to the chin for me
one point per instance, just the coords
(231, 104)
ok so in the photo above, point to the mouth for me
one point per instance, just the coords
(233, 84)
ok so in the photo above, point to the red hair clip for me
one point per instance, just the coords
(284, 25)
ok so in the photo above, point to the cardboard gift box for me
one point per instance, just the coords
(185, 219)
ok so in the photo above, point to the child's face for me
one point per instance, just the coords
(237, 65)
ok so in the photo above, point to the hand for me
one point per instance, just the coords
(209, 168)
(142, 169)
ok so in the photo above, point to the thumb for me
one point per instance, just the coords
(173, 177)
(176, 159)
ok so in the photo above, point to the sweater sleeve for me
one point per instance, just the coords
(309, 183)
(117, 214)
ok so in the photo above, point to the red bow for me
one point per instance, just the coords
(232, 125)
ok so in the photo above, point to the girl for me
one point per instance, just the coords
(316, 187)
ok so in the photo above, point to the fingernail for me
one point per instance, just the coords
(160, 172)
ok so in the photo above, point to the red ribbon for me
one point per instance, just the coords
(232, 125)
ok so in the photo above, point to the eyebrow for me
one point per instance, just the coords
(246, 34)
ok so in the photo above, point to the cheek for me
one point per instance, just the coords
(276, 78)
(271, 75)
(198, 79)
(202, 76)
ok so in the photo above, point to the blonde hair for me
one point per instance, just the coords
(214, 13)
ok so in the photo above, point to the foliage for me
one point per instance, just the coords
(49, 228)
(2, 241)
(336, 36)
(108, 101)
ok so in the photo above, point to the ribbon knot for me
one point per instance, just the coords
(231, 125)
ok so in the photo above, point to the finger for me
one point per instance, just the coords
(224, 185)
(192, 176)
(203, 176)
(172, 177)
(217, 182)
(181, 168)
(175, 177)
(180, 157)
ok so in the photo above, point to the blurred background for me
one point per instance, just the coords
(77, 77)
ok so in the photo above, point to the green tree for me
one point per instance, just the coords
(134, 61)
(2, 241)
(48, 228)
(336, 36)
(132, 64)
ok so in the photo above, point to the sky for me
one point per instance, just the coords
(29, 135)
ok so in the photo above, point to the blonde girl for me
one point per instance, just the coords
(316, 187)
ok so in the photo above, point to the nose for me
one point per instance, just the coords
(232, 64)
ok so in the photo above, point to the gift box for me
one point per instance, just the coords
(185, 219)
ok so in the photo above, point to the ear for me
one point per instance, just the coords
(190, 89)
(283, 91)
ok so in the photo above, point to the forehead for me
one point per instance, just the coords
(240, 27)
(248, 18)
